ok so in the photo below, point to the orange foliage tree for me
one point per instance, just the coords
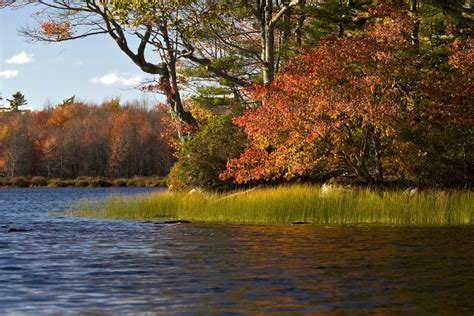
(78, 139)
(368, 106)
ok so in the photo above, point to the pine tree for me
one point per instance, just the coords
(17, 100)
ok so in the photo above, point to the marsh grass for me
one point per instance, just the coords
(288, 204)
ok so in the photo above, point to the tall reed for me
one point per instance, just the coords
(286, 204)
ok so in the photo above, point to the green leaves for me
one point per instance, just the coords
(17, 100)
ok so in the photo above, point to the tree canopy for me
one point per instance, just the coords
(372, 90)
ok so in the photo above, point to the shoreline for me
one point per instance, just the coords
(81, 182)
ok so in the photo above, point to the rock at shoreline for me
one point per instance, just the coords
(178, 222)
(173, 222)
(300, 223)
(411, 191)
(196, 190)
(17, 230)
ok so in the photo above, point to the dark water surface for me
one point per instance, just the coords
(70, 265)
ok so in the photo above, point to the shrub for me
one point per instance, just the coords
(85, 182)
(154, 182)
(38, 182)
(205, 156)
(99, 182)
(4, 182)
(20, 182)
(136, 182)
(120, 182)
(56, 183)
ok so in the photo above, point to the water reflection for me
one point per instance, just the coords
(73, 265)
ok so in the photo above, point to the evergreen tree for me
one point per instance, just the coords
(17, 100)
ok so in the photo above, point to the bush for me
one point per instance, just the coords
(38, 182)
(20, 182)
(136, 182)
(56, 183)
(4, 182)
(82, 183)
(154, 182)
(99, 182)
(205, 156)
(120, 182)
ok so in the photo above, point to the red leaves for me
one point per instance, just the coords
(462, 55)
(60, 30)
(315, 114)
(159, 87)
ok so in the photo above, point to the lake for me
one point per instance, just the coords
(66, 265)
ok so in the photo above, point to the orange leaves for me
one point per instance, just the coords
(159, 87)
(81, 139)
(313, 114)
(59, 30)
(462, 55)
(355, 104)
(62, 114)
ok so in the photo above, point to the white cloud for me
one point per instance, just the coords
(107, 79)
(131, 81)
(117, 78)
(8, 73)
(21, 58)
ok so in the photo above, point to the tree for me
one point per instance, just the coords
(79, 139)
(70, 20)
(362, 106)
(173, 29)
(17, 100)
(204, 157)
(16, 144)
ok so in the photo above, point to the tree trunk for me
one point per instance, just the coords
(169, 82)
(284, 40)
(299, 26)
(268, 44)
(341, 20)
(378, 163)
(416, 27)
(360, 165)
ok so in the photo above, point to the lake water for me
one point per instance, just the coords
(71, 265)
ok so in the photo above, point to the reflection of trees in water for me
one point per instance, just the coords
(248, 268)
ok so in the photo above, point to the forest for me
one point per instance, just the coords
(361, 91)
(74, 139)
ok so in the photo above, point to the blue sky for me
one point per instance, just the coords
(93, 69)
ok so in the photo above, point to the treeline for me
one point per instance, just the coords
(76, 139)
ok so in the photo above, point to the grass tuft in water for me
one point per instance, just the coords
(286, 204)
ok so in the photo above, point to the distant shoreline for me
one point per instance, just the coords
(96, 182)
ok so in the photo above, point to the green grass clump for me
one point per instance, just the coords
(286, 204)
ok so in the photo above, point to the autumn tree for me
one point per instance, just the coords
(357, 106)
(16, 144)
(76, 139)
(179, 32)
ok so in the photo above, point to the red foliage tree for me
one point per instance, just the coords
(352, 106)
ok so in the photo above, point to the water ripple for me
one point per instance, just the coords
(70, 265)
